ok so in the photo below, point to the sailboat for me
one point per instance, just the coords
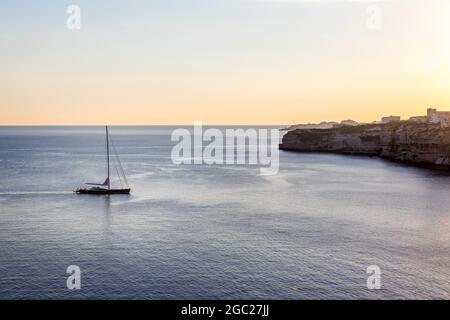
(105, 187)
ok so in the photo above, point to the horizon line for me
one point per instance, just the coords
(134, 125)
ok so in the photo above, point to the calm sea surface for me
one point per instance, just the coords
(219, 232)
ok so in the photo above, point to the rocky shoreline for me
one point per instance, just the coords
(420, 144)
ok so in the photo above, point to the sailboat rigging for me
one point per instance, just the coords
(105, 187)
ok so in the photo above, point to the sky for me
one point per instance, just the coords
(222, 61)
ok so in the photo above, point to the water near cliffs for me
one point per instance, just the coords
(224, 232)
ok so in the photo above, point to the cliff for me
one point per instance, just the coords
(364, 139)
(419, 144)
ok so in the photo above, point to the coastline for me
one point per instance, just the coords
(419, 145)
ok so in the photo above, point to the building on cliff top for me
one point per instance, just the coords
(349, 123)
(419, 119)
(433, 117)
(390, 119)
(438, 117)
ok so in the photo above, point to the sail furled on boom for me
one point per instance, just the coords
(99, 184)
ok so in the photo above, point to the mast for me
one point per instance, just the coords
(107, 155)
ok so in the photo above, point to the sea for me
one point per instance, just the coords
(315, 230)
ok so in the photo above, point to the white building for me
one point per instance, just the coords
(349, 123)
(390, 119)
(419, 119)
(438, 117)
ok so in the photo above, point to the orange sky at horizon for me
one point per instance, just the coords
(243, 63)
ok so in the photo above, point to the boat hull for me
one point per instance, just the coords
(103, 192)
